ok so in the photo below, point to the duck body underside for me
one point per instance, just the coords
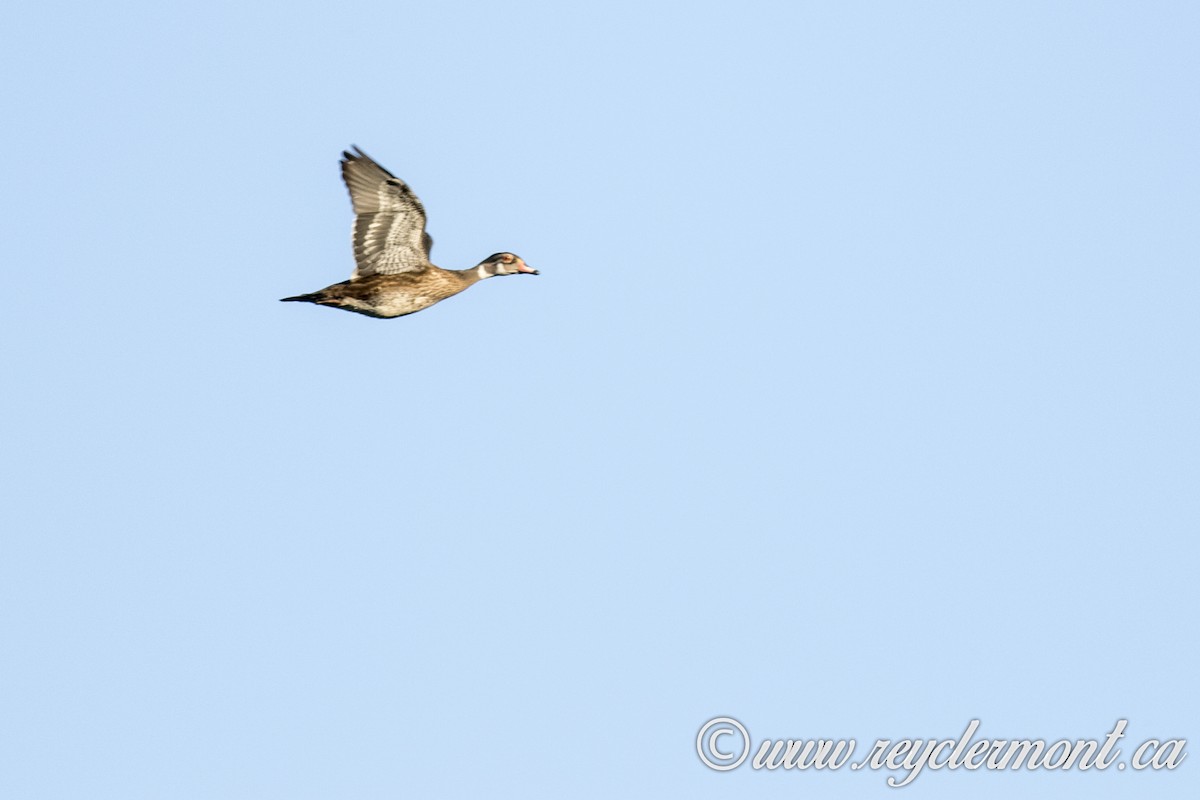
(382, 296)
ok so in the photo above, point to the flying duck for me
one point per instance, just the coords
(393, 275)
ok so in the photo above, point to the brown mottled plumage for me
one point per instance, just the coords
(393, 275)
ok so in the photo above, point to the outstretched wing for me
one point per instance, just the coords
(389, 220)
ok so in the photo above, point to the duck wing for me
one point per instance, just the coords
(389, 221)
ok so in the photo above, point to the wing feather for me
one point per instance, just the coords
(389, 221)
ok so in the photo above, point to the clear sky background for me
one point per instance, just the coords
(857, 396)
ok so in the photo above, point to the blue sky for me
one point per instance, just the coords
(856, 398)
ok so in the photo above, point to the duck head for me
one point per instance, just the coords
(504, 264)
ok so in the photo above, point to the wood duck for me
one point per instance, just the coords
(393, 275)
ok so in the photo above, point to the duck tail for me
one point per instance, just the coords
(312, 297)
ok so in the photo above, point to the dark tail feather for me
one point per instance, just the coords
(302, 298)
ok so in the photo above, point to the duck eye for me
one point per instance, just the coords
(507, 258)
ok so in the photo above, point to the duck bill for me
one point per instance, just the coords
(523, 267)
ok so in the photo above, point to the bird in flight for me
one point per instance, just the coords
(393, 275)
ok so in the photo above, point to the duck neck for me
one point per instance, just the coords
(476, 274)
